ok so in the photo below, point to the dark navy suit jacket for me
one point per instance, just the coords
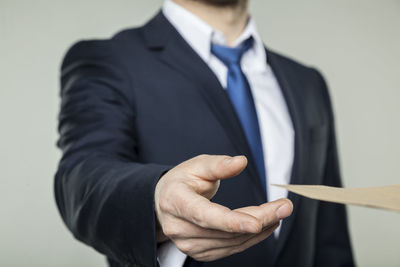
(137, 104)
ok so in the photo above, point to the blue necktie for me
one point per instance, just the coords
(240, 95)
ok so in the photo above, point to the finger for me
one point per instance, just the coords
(215, 167)
(177, 228)
(271, 212)
(181, 228)
(199, 245)
(204, 213)
(214, 254)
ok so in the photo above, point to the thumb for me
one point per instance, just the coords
(215, 167)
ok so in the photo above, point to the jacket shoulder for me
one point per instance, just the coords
(107, 48)
(294, 66)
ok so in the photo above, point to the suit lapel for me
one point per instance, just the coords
(173, 51)
(292, 94)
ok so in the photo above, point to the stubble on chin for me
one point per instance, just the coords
(223, 3)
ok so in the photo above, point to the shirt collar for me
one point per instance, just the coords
(200, 35)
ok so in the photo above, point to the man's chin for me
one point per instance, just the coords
(222, 3)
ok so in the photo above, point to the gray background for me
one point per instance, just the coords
(356, 44)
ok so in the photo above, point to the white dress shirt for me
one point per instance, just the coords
(276, 127)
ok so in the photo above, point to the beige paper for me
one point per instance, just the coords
(385, 197)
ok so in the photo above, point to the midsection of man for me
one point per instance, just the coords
(275, 123)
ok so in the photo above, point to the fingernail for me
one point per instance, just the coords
(284, 211)
(248, 227)
(228, 160)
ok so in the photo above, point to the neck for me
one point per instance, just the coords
(230, 20)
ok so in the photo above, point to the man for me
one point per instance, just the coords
(151, 124)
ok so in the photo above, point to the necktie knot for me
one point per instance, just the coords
(231, 55)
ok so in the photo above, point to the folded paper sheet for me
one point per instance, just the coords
(385, 197)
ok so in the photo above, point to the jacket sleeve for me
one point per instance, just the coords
(333, 246)
(103, 192)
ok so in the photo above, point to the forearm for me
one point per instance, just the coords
(108, 204)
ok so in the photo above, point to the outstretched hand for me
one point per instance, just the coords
(205, 230)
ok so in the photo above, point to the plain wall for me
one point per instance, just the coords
(356, 44)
